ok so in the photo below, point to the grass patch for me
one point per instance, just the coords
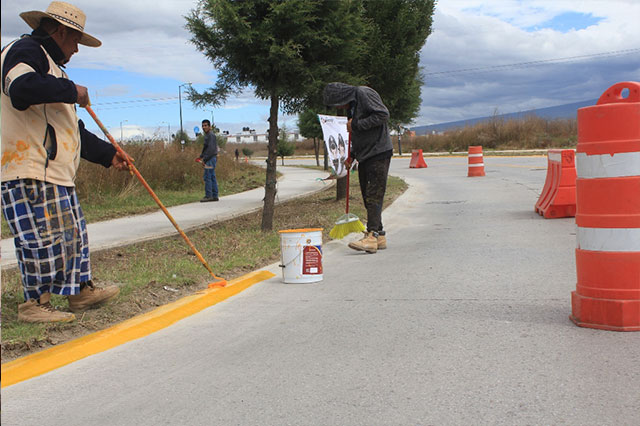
(103, 203)
(157, 272)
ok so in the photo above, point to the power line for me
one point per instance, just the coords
(102, 108)
(137, 101)
(532, 63)
(147, 102)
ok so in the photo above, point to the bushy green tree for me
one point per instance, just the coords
(309, 127)
(221, 140)
(286, 50)
(181, 137)
(284, 148)
(397, 31)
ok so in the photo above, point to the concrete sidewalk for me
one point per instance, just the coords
(294, 182)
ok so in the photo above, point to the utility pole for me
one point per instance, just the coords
(123, 121)
(180, 102)
(168, 131)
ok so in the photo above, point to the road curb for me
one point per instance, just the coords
(50, 359)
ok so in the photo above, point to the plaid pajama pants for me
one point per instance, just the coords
(50, 235)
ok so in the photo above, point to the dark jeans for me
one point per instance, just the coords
(210, 183)
(373, 184)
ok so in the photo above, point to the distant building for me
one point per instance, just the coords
(405, 132)
(251, 136)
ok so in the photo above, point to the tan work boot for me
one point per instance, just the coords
(42, 311)
(369, 243)
(382, 242)
(91, 296)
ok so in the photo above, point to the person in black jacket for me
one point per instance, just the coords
(42, 143)
(371, 147)
(209, 158)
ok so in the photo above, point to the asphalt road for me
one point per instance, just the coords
(462, 320)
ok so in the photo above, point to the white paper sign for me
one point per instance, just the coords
(336, 139)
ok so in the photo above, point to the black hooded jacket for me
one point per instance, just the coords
(369, 130)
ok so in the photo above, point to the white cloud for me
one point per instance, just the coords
(146, 37)
(471, 34)
(149, 38)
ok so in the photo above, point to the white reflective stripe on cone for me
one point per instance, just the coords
(624, 164)
(555, 156)
(609, 239)
(475, 155)
(476, 165)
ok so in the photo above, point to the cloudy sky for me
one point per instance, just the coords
(483, 56)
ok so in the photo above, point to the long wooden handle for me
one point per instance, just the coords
(221, 282)
(348, 172)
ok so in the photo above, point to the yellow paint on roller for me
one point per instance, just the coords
(42, 362)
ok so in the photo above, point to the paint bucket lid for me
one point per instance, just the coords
(301, 230)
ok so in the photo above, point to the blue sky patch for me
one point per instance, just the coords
(568, 21)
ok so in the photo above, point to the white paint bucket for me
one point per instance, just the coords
(301, 251)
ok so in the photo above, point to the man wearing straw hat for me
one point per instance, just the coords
(42, 142)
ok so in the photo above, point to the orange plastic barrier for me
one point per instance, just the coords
(476, 161)
(558, 197)
(607, 292)
(417, 160)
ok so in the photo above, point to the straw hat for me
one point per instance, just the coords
(65, 13)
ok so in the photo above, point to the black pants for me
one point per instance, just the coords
(373, 184)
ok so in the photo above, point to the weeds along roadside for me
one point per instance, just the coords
(169, 170)
(232, 248)
(172, 173)
(530, 132)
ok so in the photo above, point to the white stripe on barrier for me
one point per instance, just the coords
(609, 239)
(623, 164)
(476, 165)
(555, 156)
(475, 155)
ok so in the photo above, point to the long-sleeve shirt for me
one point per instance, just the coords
(42, 137)
(210, 148)
(369, 116)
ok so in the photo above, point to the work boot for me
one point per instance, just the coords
(369, 243)
(41, 310)
(91, 296)
(382, 242)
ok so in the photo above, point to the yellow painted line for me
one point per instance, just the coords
(49, 359)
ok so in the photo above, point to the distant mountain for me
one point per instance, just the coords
(554, 112)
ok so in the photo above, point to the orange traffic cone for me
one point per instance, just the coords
(417, 160)
(558, 197)
(607, 292)
(476, 162)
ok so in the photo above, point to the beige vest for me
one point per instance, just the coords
(25, 138)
